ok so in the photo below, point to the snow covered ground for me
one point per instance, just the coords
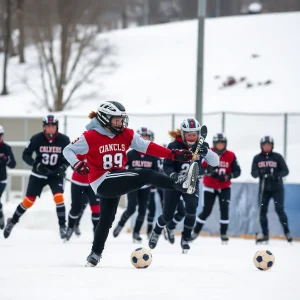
(36, 264)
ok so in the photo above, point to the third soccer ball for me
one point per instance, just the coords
(263, 260)
(141, 258)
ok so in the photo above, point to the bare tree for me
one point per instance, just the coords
(20, 24)
(7, 38)
(68, 52)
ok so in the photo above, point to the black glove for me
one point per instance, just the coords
(214, 173)
(3, 159)
(181, 155)
(60, 172)
(225, 177)
(81, 168)
(262, 172)
(41, 168)
(203, 150)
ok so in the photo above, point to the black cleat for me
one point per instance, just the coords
(263, 240)
(2, 221)
(288, 237)
(77, 230)
(62, 232)
(8, 228)
(153, 240)
(170, 235)
(93, 259)
(136, 238)
(117, 230)
(224, 238)
(193, 236)
(185, 245)
(69, 233)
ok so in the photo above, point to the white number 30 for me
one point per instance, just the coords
(110, 161)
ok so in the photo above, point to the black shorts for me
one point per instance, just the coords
(36, 185)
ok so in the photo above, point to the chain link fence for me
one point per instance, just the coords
(243, 131)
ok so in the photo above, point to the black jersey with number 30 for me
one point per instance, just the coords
(48, 152)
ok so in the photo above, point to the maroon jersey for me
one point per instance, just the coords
(227, 161)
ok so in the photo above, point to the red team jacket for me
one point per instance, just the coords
(225, 167)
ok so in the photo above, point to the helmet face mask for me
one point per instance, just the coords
(50, 126)
(220, 143)
(267, 144)
(112, 115)
(190, 131)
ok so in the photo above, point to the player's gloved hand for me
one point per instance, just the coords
(41, 168)
(215, 173)
(3, 159)
(81, 168)
(174, 176)
(225, 177)
(181, 155)
(263, 172)
(60, 172)
(203, 150)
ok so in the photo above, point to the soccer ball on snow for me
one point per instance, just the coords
(141, 258)
(263, 260)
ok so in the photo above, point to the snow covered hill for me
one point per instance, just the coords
(157, 73)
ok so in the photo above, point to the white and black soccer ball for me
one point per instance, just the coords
(263, 260)
(141, 258)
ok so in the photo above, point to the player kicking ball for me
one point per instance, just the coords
(105, 144)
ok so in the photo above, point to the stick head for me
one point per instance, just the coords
(203, 131)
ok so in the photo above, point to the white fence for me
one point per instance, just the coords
(24, 174)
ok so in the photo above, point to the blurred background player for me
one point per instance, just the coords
(187, 138)
(141, 197)
(218, 184)
(48, 168)
(7, 159)
(270, 167)
(81, 194)
(152, 204)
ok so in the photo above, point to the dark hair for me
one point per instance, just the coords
(92, 115)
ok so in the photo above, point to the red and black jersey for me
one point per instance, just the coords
(228, 165)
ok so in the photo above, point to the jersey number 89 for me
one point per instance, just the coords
(110, 161)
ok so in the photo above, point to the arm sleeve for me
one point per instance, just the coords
(236, 169)
(11, 162)
(144, 146)
(254, 168)
(212, 158)
(27, 153)
(284, 171)
(168, 165)
(79, 146)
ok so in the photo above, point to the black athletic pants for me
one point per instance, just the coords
(278, 196)
(79, 194)
(152, 207)
(209, 201)
(2, 188)
(171, 202)
(116, 184)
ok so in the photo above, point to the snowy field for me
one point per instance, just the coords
(36, 264)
